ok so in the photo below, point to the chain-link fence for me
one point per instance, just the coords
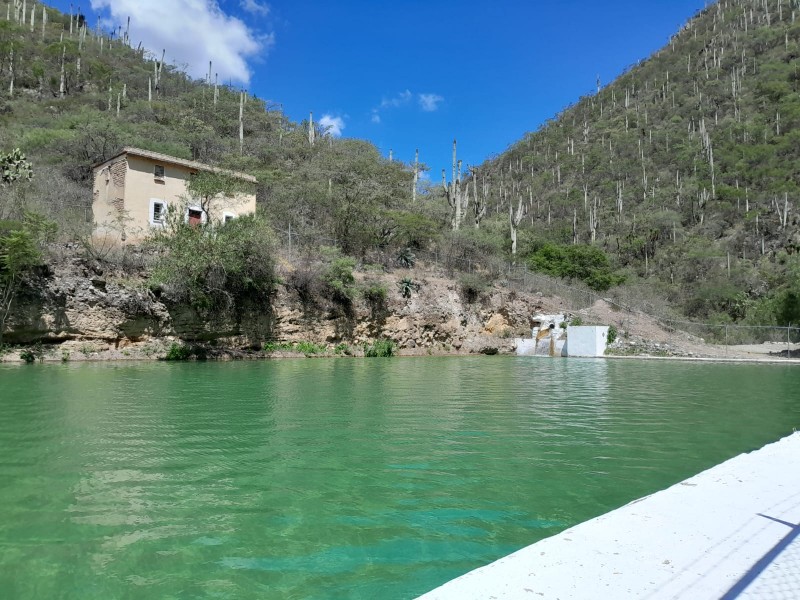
(776, 340)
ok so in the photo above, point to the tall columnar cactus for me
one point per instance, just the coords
(514, 220)
(241, 123)
(62, 88)
(480, 201)
(157, 68)
(454, 192)
(594, 221)
(416, 176)
(11, 70)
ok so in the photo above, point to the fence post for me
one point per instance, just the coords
(726, 340)
(789, 341)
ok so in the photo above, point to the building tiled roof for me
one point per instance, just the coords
(165, 158)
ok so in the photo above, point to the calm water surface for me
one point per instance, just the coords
(342, 478)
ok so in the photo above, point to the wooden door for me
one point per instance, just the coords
(195, 217)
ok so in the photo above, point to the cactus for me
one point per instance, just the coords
(14, 166)
(456, 197)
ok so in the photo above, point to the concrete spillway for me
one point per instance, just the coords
(549, 346)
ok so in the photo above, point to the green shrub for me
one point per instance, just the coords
(178, 352)
(216, 270)
(374, 292)
(379, 349)
(278, 347)
(472, 286)
(586, 263)
(28, 356)
(309, 348)
(339, 279)
(343, 348)
(611, 337)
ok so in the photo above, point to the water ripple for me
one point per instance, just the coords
(342, 478)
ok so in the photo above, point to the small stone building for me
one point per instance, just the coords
(134, 190)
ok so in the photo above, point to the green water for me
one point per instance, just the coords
(342, 478)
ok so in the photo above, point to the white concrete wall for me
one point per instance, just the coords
(586, 340)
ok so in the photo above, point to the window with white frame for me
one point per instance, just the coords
(227, 217)
(158, 212)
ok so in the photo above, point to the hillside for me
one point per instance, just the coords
(73, 96)
(674, 188)
(683, 170)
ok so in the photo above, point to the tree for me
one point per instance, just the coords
(205, 186)
(20, 252)
(216, 270)
(587, 263)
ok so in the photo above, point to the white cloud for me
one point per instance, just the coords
(193, 32)
(397, 101)
(254, 7)
(332, 125)
(426, 102)
(429, 102)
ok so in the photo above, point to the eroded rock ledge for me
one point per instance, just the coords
(80, 308)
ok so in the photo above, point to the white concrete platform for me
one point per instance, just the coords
(730, 532)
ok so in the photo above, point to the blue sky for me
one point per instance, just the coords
(407, 74)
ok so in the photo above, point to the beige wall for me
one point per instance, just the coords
(140, 187)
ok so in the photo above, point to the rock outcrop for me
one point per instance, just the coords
(81, 301)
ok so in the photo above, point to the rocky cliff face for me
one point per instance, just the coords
(82, 302)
